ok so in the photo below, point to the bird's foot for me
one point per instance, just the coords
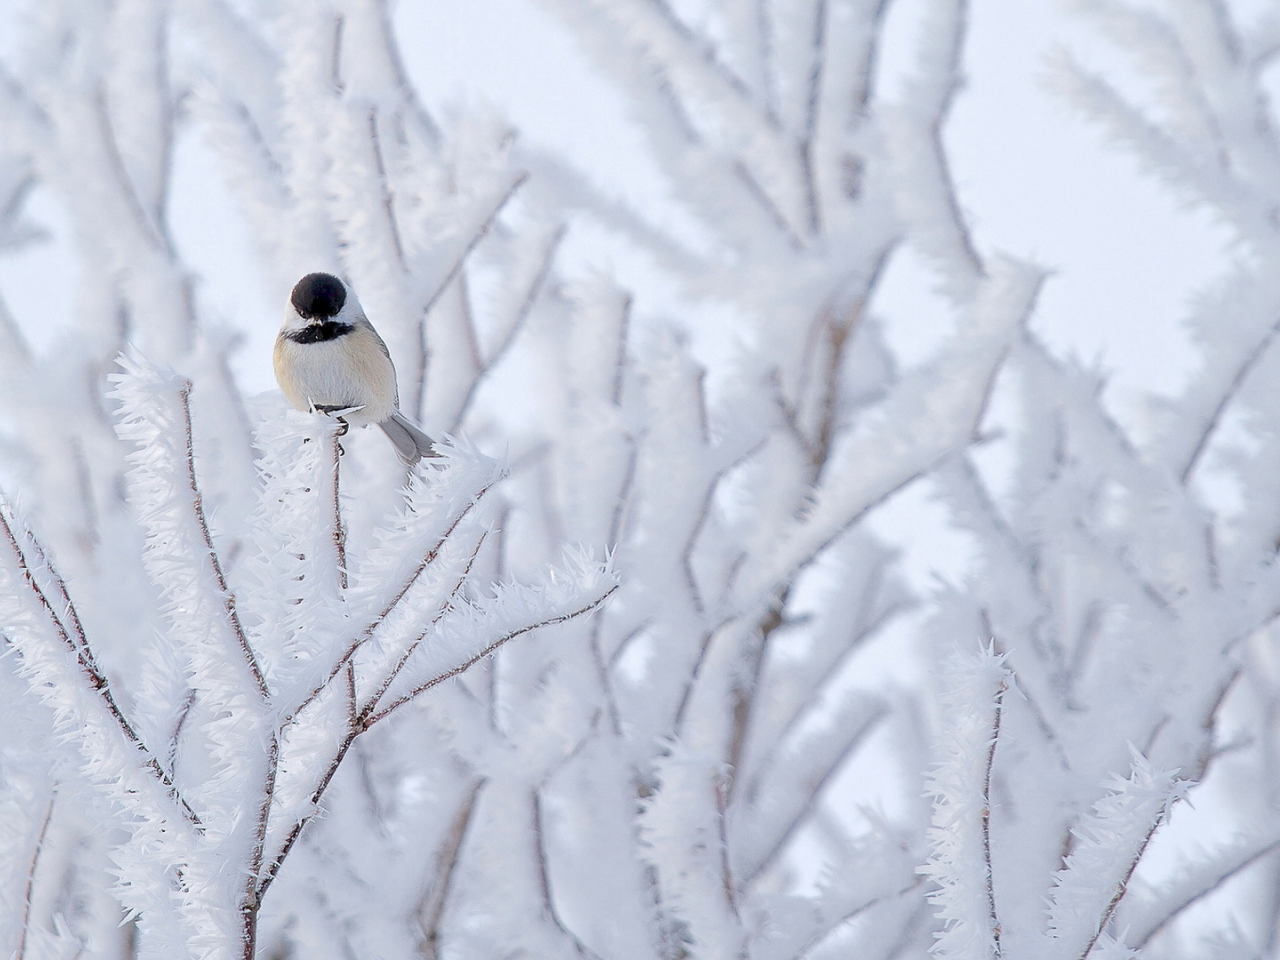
(343, 427)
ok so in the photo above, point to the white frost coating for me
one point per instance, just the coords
(469, 628)
(928, 415)
(715, 763)
(203, 622)
(225, 799)
(297, 544)
(158, 827)
(682, 828)
(970, 702)
(1110, 840)
(1149, 907)
(808, 757)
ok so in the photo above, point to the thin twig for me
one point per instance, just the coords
(358, 724)
(1028, 697)
(147, 225)
(367, 633)
(721, 785)
(1214, 419)
(476, 237)
(704, 512)
(691, 542)
(790, 417)
(812, 703)
(819, 935)
(1177, 909)
(951, 199)
(771, 209)
(1122, 887)
(272, 868)
(841, 327)
(335, 54)
(812, 100)
(624, 497)
(78, 638)
(228, 598)
(29, 889)
(36, 119)
(391, 58)
(521, 316)
(986, 818)
(686, 695)
(339, 533)
(487, 651)
(702, 53)
(176, 736)
(250, 901)
(901, 483)
(544, 879)
(745, 693)
(854, 740)
(445, 606)
(384, 184)
(620, 361)
(94, 677)
(625, 643)
(430, 909)
(765, 49)
(168, 127)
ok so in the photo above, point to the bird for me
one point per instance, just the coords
(329, 358)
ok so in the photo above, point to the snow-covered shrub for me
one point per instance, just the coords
(670, 774)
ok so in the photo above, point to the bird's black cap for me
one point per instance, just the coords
(318, 295)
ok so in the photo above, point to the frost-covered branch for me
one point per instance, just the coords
(728, 757)
(962, 865)
(87, 677)
(1112, 840)
(29, 887)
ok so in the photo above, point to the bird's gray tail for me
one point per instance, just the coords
(410, 442)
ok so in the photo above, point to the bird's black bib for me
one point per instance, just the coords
(320, 332)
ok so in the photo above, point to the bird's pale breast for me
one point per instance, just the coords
(351, 370)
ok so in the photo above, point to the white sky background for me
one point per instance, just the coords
(1036, 180)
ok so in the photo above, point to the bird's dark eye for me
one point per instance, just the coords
(318, 295)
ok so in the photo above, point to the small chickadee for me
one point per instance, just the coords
(328, 357)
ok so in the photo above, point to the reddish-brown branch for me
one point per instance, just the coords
(544, 879)
(1177, 909)
(93, 676)
(1214, 420)
(841, 325)
(1121, 888)
(431, 907)
(986, 818)
(215, 565)
(29, 888)
(476, 237)
(367, 633)
(522, 314)
(728, 885)
(353, 731)
(384, 187)
(445, 606)
(856, 738)
(251, 900)
(487, 651)
(339, 531)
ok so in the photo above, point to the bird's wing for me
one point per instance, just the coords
(382, 345)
